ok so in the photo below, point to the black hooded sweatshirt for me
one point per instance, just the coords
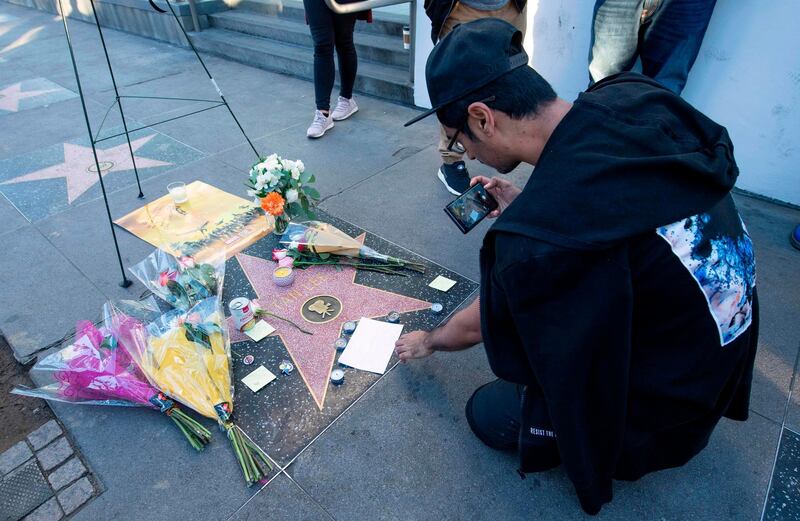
(619, 287)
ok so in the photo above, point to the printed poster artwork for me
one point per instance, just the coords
(722, 264)
(209, 221)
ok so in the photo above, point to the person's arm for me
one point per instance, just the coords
(460, 332)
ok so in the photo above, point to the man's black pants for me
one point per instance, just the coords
(494, 413)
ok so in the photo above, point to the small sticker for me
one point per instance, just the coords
(258, 378)
(442, 283)
(259, 331)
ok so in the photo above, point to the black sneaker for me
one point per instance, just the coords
(454, 177)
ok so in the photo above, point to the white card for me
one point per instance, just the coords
(442, 283)
(371, 346)
(258, 378)
(259, 331)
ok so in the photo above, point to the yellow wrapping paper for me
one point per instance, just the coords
(190, 372)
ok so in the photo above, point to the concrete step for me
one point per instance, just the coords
(381, 48)
(380, 80)
(382, 23)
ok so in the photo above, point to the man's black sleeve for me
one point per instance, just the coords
(572, 311)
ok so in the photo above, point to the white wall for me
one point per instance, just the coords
(747, 78)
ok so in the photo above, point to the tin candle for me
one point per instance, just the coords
(283, 276)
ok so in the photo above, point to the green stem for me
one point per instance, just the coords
(192, 440)
(262, 312)
(203, 434)
(248, 455)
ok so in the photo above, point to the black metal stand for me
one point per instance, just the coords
(94, 138)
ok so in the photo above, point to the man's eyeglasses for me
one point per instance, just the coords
(454, 140)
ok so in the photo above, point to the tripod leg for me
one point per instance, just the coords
(125, 281)
(219, 92)
(119, 101)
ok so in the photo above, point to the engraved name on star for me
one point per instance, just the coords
(77, 159)
(314, 355)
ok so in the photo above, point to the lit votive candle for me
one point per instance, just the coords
(178, 192)
(283, 276)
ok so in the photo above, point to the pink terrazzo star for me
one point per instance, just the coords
(78, 157)
(314, 355)
(12, 95)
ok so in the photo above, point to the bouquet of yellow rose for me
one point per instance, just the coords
(186, 354)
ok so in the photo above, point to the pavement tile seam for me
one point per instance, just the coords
(268, 134)
(367, 390)
(71, 263)
(309, 496)
(260, 490)
(373, 175)
(780, 435)
(323, 431)
(15, 208)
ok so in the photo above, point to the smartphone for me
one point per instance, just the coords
(471, 207)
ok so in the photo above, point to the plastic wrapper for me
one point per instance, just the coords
(314, 242)
(186, 353)
(97, 369)
(181, 281)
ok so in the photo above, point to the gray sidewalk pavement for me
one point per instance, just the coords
(404, 449)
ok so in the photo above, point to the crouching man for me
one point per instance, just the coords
(618, 306)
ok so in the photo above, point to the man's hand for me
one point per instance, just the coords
(413, 345)
(502, 190)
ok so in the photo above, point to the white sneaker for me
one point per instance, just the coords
(320, 125)
(344, 108)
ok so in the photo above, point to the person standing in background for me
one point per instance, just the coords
(444, 15)
(664, 34)
(331, 31)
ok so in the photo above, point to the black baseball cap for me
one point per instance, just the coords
(471, 56)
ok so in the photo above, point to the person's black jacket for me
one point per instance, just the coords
(619, 287)
(439, 10)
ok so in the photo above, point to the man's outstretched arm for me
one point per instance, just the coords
(462, 331)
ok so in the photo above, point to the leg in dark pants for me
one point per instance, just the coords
(672, 39)
(346, 52)
(329, 30)
(493, 413)
(665, 34)
(503, 414)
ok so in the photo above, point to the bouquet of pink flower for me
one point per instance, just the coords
(97, 369)
(181, 281)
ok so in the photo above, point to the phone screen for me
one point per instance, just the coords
(471, 207)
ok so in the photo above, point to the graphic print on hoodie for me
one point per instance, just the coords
(720, 262)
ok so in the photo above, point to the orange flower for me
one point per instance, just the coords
(273, 204)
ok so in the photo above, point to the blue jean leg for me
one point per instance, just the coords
(615, 37)
(671, 40)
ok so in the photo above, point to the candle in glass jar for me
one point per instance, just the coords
(178, 192)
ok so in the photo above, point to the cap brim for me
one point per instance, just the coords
(421, 116)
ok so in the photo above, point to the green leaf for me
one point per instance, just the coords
(295, 208)
(324, 256)
(197, 335)
(311, 192)
(306, 177)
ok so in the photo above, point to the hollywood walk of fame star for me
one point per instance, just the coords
(313, 355)
(77, 158)
(13, 94)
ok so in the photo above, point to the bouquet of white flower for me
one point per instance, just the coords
(283, 186)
